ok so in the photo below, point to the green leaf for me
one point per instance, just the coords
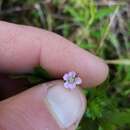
(117, 118)
(42, 73)
(100, 128)
(103, 12)
(87, 46)
(34, 79)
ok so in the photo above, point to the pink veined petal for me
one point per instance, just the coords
(72, 73)
(65, 77)
(78, 80)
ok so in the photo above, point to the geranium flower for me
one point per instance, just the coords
(71, 79)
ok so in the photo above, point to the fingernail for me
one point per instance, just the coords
(66, 106)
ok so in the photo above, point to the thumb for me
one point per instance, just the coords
(48, 106)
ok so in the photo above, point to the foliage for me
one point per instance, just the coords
(102, 30)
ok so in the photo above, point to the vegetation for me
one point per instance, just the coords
(100, 27)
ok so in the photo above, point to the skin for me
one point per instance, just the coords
(21, 49)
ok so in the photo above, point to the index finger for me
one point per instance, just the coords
(22, 48)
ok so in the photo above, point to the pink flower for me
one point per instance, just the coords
(71, 80)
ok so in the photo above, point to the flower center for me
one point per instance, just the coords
(71, 80)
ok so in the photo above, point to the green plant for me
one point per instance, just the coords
(102, 30)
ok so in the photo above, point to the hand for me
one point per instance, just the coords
(47, 106)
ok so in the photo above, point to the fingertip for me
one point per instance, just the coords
(46, 106)
(98, 73)
(66, 106)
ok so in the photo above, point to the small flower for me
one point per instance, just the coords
(71, 80)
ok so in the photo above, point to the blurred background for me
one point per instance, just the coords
(99, 26)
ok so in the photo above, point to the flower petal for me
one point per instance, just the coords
(72, 74)
(69, 85)
(78, 80)
(65, 77)
(66, 85)
(72, 86)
